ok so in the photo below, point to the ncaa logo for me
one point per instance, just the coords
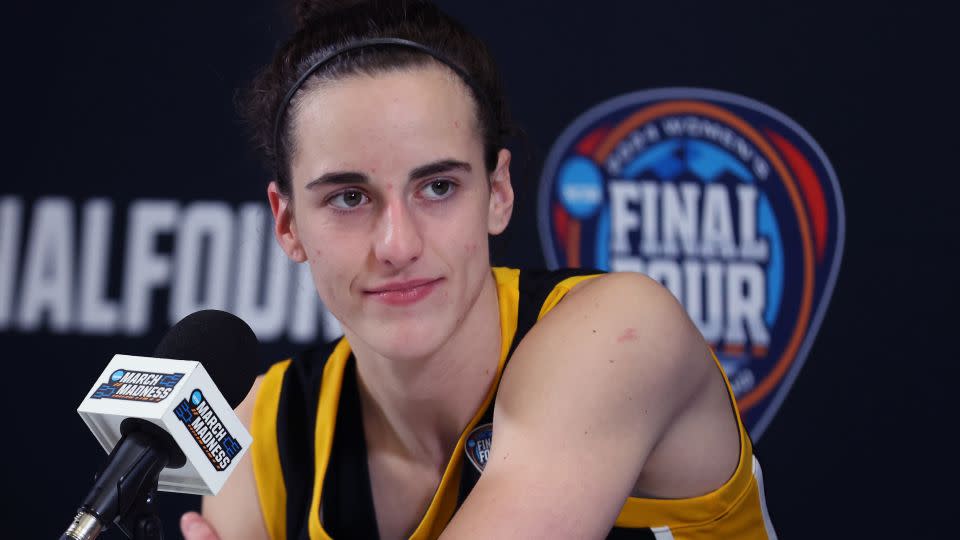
(726, 201)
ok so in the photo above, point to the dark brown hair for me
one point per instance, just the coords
(325, 26)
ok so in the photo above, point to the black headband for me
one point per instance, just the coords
(364, 43)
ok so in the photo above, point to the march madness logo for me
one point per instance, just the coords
(137, 386)
(208, 431)
(726, 201)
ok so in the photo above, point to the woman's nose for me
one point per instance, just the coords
(398, 241)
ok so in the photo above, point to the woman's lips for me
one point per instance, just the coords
(404, 293)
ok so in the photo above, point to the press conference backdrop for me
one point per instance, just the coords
(130, 199)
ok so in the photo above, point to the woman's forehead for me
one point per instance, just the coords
(398, 117)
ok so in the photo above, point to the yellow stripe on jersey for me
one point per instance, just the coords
(323, 435)
(561, 290)
(265, 454)
(731, 511)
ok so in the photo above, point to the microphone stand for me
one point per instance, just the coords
(142, 521)
(125, 492)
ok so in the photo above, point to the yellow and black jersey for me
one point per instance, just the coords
(310, 458)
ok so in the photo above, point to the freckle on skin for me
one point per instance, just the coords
(630, 334)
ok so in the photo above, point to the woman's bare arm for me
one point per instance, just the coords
(587, 396)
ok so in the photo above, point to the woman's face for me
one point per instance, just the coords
(392, 205)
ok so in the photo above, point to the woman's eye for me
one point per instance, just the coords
(346, 200)
(438, 189)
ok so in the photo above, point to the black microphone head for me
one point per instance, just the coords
(223, 343)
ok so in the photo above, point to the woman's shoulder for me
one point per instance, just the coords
(616, 332)
(625, 293)
(621, 317)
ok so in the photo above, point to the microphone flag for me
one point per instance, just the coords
(179, 397)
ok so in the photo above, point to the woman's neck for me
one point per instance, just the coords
(417, 409)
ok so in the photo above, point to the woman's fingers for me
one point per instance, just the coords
(195, 527)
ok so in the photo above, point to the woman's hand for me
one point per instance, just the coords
(195, 527)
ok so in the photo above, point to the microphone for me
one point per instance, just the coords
(165, 423)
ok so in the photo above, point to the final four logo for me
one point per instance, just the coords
(726, 201)
(478, 445)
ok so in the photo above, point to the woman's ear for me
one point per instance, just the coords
(501, 195)
(284, 224)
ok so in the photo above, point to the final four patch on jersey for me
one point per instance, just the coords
(726, 201)
(477, 446)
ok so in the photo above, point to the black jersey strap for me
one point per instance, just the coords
(297, 408)
(348, 510)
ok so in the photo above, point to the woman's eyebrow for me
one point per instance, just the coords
(339, 177)
(437, 167)
(353, 177)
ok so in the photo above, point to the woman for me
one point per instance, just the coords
(385, 124)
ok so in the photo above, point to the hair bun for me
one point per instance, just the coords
(306, 12)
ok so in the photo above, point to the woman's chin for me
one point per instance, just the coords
(409, 348)
(405, 342)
